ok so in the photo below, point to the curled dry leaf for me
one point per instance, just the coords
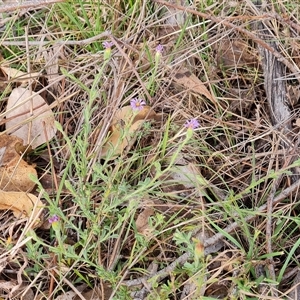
(125, 123)
(190, 81)
(14, 171)
(29, 117)
(23, 205)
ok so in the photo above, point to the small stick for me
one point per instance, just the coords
(13, 6)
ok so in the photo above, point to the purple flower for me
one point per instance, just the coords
(107, 45)
(192, 124)
(137, 104)
(159, 49)
(53, 219)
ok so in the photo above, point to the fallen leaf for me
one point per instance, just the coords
(234, 53)
(14, 171)
(102, 292)
(17, 75)
(184, 178)
(51, 55)
(175, 17)
(125, 123)
(66, 296)
(23, 205)
(142, 221)
(293, 94)
(29, 117)
(190, 81)
(12, 289)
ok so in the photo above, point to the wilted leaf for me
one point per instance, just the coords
(125, 123)
(14, 171)
(29, 117)
(192, 82)
(17, 75)
(22, 204)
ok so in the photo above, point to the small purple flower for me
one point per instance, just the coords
(107, 45)
(159, 49)
(53, 219)
(137, 104)
(192, 124)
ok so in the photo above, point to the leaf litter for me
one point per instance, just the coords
(15, 172)
(221, 173)
(29, 117)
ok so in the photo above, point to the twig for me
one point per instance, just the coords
(14, 6)
(292, 67)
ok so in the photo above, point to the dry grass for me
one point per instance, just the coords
(130, 228)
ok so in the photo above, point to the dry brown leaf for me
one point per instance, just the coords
(17, 75)
(142, 221)
(218, 290)
(190, 81)
(66, 296)
(19, 106)
(22, 204)
(234, 53)
(14, 171)
(105, 291)
(12, 288)
(125, 123)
